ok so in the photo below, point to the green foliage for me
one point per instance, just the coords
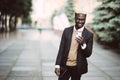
(69, 10)
(52, 17)
(26, 20)
(14, 9)
(56, 13)
(107, 21)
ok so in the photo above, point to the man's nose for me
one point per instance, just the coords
(79, 21)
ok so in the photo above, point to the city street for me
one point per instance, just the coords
(30, 55)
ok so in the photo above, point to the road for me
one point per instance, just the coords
(30, 55)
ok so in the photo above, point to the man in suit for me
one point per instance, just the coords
(76, 45)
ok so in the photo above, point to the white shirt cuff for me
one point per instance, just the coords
(83, 46)
(57, 66)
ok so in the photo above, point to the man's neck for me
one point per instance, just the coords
(78, 27)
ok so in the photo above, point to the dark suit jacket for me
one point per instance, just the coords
(82, 54)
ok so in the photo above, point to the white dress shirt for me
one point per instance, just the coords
(79, 33)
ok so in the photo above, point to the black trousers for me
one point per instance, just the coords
(72, 73)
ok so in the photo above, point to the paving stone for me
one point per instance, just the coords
(37, 78)
(94, 73)
(2, 67)
(113, 73)
(50, 78)
(93, 78)
(48, 69)
(116, 78)
(20, 78)
(2, 77)
(4, 73)
(22, 73)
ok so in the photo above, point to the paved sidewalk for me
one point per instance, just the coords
(104, 64)
(30, 55)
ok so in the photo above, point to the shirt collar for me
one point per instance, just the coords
(81, 29)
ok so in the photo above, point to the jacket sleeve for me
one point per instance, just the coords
(61, 49)
(88, 50)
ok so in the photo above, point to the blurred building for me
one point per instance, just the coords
(43, 9)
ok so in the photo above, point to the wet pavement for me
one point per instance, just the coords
(30, 55)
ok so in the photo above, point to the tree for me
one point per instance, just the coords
(3, 15)
(14, 9)
(69, 10)
(26, 20)
(107, 22)
(20, 8)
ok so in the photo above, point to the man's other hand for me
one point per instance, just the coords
(57, 71)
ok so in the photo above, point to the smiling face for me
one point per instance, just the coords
(79, 20)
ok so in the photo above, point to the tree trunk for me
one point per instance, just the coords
(2, 22)
(15, 23)
(5, 23)
(10, 23)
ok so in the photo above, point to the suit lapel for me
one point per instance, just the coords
(70, 37)
(70, 34)
(84, 34)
